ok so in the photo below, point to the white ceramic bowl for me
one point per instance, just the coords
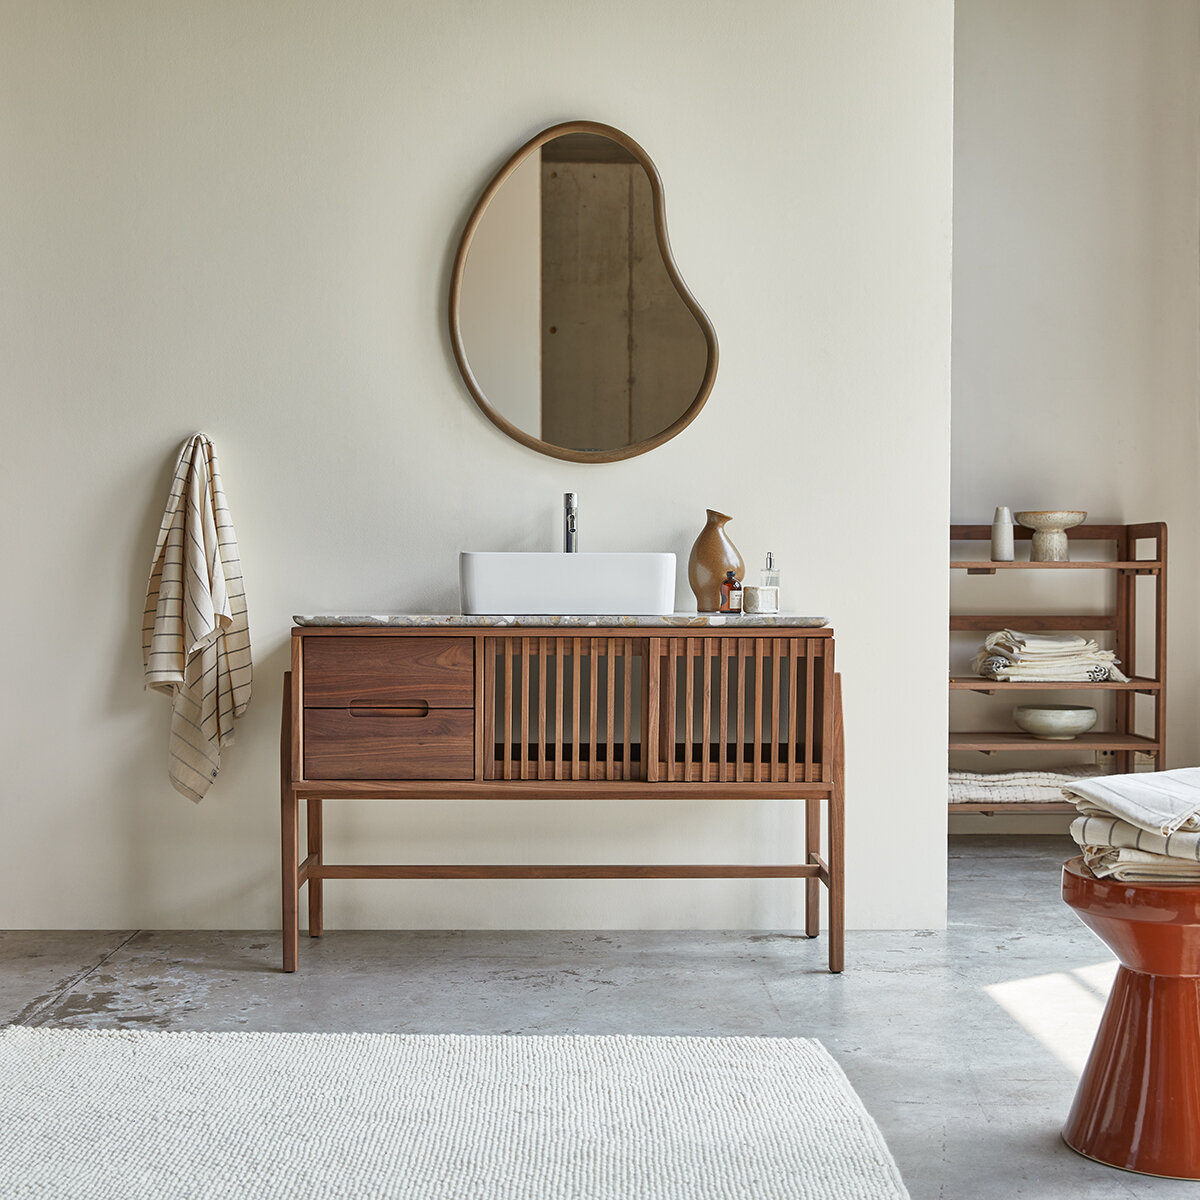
(1049, 520)
(1054, 722)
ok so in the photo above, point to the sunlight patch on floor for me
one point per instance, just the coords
(1061, 1010)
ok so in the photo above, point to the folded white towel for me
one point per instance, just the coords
(1139, 866)
(1043, 643)
(1161, 802)
(1014, 644)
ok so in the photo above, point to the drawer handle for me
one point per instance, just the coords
(359, 709)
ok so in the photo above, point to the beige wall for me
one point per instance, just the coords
(239, 217)
(1076, 277)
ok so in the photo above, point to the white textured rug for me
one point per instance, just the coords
(128, 1115)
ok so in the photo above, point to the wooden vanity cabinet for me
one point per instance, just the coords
(485, 712)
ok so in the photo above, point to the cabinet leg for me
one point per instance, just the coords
(837, 838)
(288, 835)
(289, 842)
(316, 897)
(812, 887)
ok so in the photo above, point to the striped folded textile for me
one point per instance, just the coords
(195, 632)
(1142, 826)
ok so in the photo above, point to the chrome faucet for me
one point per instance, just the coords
(570, 522)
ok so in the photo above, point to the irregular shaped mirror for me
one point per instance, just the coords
(570, 323)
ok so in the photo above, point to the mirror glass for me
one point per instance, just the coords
(570, 322)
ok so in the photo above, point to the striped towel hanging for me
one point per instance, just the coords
(195, 635)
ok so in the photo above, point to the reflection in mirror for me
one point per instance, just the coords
(569, 320)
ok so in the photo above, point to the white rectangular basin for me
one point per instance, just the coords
(534, 584)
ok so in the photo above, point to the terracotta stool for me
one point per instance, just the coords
(1138, 1103)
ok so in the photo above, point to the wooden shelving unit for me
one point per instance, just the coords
(1120, 620)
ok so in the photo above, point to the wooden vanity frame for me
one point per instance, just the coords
(427, 702)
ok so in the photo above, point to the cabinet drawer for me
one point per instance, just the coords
(385, 671)
(340, 744)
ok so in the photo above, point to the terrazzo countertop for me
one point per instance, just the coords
(458, 620)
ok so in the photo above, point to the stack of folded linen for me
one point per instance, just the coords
(1140, 827)
(1044, 658)
(1014, 787)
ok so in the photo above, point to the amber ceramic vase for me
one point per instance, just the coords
(712, 555)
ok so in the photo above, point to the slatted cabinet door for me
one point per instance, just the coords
(740, 709)
(564, 708)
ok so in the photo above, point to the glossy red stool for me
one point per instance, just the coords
(1138, 1103)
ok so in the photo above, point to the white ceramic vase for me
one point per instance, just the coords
(1002, 535)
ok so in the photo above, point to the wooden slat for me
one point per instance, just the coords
(988, 687)
(1123, 743)
(1078, 533)
(508, 707)
(479, 646)
(524, 758)
(810, 774)
(829, 682)
(543, 767)
(990, 622)
(627, 711)
(583, 871)
(689, 710)
(610, 706)
(723, 715)
(532, 789)
(1124, 564)
(489, 708)
(560, 658)
(671, 708)
(651, 710)
(706, 706)
(593, 679)
(777, 775)
(576, 687)
(740, 711)
(794, 651)
(757, 738)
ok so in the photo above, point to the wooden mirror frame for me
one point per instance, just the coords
(660, 227)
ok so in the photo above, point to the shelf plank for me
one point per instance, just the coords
(1147, 566)
(974, 683)
(984, 808)
(991, 742)
(1077, 533)
(1031, 623)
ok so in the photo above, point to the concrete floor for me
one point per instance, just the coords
(964, 1045)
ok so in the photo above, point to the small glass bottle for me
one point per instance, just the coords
(770, 572)
(731, 593)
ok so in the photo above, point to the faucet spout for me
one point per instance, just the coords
(570, 522)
